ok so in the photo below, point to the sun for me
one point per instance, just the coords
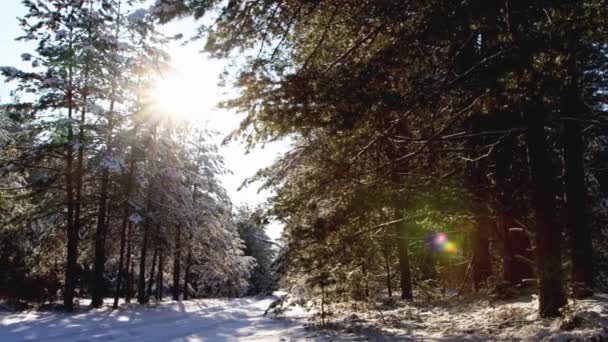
(182, 97)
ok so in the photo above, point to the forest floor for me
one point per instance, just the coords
(242, 319)
(467, 318)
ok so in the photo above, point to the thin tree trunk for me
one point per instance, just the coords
(505, 216)
(323, 305)
(81, 138)
(100, 241)
(151, 278)
(365, 280)
(512, 243)
(176, 262)
(548, 231)
(187, 274)
(159, 282)
(72, 231)
(141, 285)
(123, 238)
(387, 266)
(102, 227)
(579, 231)
(482, 266)
(123, 230)
(404, 261)
(129, 264)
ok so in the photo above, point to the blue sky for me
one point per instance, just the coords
(199, 74)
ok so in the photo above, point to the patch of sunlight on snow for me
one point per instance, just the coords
(123, 318)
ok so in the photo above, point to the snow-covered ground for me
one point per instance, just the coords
(196, 320)
(242, 319)
(473, 318)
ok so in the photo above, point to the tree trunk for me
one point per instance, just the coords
(72, 231)
(548, 231)
(579, 232)
(404, 261)
(100, 243)
(130, 267)
(387, 266)
(323, 305)
(512, 243)
(176, 261)
(123, 229)
(72, 237)
(123, 237)
(482, 266)
(151, 278)
(365, 280)
(102, 226)
(159, 281)
(187, 274)
(141, 285)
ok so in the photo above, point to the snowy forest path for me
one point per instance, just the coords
(240, 319)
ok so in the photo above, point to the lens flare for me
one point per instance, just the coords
(450, 247)
(439, 242)
(440, 239)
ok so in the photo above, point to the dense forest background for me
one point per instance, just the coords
(438, 146)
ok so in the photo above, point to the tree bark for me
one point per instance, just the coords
(130, 267)
(151, 278)
(102, 226)
(100, 243)
(512, 243)
(159, 281)
(548, 231)
(123, 229)
(187, 274)
(404, 260)
(176, 262)
(141, 285)
(72, 231)
(482, 265)
(579, 231)
(387, 266)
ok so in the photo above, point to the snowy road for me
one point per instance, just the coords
(197, 320)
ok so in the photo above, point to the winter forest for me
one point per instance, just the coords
(445, 174)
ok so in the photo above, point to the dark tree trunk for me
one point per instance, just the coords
(187, 274)
(102, 225)
(387, 268)
(404, 261)
(176, 262)
(479, 186)
(151, 277)
(72, 237)
(512, 242)
(548, 231)
(482, 266)
(159, 281)
(123, 229)
(141, 285)
(365, 280)
(100, 243)
(123, 238)
(72, 230)
(130, 266)
(579, 232)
